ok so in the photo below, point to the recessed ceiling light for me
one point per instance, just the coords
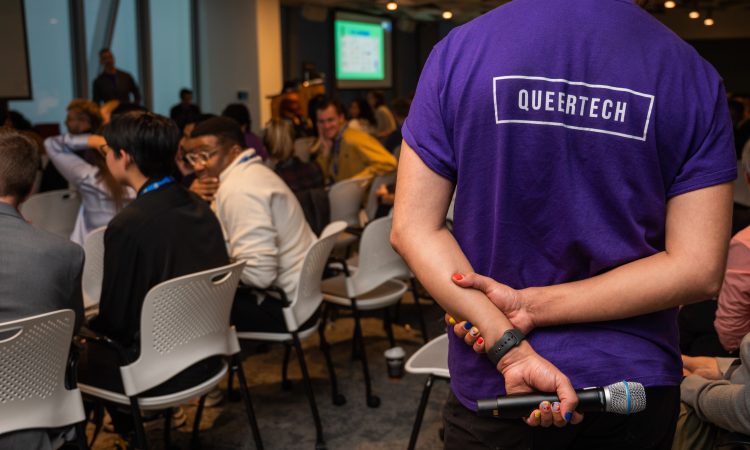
(709, 22)
(669, 4)
(391, 6)
(694, 14)
(447, 15)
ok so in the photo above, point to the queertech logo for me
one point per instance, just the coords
(575, 105)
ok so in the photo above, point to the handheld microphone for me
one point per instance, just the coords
(624, 397)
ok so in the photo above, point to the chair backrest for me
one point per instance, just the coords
(345, 198)
(309, 296)
(32, 379)
(316, 207)
(372, 198)
(93, 267)
(54, 211)
(378, 262)
(183, 321)
(431, 358)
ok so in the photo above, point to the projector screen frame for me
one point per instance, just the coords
(388, 38)
(29, 95)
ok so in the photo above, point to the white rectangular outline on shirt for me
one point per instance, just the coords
(575, 83)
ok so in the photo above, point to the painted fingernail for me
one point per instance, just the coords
(474, 331)
(568, 416)
(537, 414)
(544, 406)
(480, 341)
(451, 320)
(467, 325)
(458, 277)
(556, 407)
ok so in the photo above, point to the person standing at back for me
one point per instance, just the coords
(113, 83)
(592, 159)
(39, 272)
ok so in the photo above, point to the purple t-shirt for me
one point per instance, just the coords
(567, 125)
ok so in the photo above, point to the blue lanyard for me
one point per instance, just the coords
(246, 158)
(335, 151)
(156, 185)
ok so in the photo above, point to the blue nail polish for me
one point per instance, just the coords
(568, 416)
(468, 325)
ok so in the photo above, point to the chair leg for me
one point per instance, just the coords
(81, 435)
(248, 403)
(140, 432)
(372, 400)
(319, 441)
(167, 428)
(420, 412)
(388, 325)
(420, 314)
(337, 398)
(194, 439)
(98, 421)
(232, 395)
(285, 383)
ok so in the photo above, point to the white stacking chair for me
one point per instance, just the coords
(299, 310)
(93, 269)
(372, 198)
(54, 211)
(372, 285)
(345, 199)
(33, 393)
(183, 321)
(431, 359)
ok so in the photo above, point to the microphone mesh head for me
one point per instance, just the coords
(626, 397)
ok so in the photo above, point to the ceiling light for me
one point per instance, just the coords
(447, 14)
(669, 4)
(694, 14)
(391, 6)
(709, 22)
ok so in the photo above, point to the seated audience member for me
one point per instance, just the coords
(101, 195)
(400, 111)
(346, 153)
(385, 124)
(262, 220)
(164, 233)
(290, 110)
(240, 114)
(185, 169)
(716, 399)
(39, 272)
(299, 176)
(733, 309)
(361, 116)
(186, 111)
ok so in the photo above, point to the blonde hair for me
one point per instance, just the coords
(89, 108)
(279, 139)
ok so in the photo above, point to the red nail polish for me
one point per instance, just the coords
(480, 341)
(458, 277)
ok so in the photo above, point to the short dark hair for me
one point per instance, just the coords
(127, 107)
(19, 161)
(105, 49)
(379, 97)
(226, 130)
(239, 113)
(19, 121)
(185, 91)
(150, 139)
(325, 103)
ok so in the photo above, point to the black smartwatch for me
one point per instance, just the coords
(510, 339)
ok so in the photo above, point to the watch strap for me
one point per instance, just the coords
(509, 339)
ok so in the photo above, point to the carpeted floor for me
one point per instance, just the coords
(284, 416)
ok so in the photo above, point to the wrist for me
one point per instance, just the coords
(515, 355)
(527, 319)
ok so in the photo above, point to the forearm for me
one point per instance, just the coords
(690, 269)
(723, 404)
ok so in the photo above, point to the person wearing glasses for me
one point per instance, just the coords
(78, 156)
(262, 220)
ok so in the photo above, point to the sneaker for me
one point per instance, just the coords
(214, 397)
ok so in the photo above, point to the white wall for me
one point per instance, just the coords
(240, 50)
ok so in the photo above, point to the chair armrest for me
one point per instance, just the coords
(344, 266)
(71, 374)
(87, 334)
(275, 291)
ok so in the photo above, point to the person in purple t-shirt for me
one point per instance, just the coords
(591, 154)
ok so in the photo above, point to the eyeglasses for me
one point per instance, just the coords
(196, 158)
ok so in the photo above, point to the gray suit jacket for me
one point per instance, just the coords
(726, 402)
(39, 273)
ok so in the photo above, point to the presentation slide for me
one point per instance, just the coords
(15, 79)
(363, 46)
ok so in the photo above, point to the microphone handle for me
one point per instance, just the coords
(515, 406)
